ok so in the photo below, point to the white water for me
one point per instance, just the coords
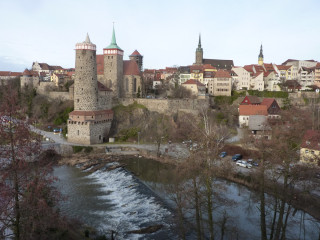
(119, 203)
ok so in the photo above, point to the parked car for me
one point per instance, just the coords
(236, 157)
(244, 164)
(223, 154)
(317, 175)
(255, 164)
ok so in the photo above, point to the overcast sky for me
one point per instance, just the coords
(164, 32)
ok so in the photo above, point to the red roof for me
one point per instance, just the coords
(249, 110)
(102, 87)
(267, 101)
(250, 100)
(208, 66)
(311, 140)
(100, 64)
(195, 82)
(281, 67)
(135, 53)
(222, 74)
(10, 74)
(130, 67)
(318, 65)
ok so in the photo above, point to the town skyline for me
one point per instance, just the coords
(165, 34)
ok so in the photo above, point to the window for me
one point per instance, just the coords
(306, 151)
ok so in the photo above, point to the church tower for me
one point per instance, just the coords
(199, 53)
(90, 121)
(138, 58)
(113, 67)
(260, 57)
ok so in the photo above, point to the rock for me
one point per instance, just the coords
(150, 229)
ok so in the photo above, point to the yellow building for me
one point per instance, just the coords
(285, 72)
(310, 147)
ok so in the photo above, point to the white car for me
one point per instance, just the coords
(244, 164)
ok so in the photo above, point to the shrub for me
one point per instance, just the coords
(63, 116)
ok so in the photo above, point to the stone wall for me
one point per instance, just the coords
(44, 87)
(88, 133)
(59, 96)
(169, 105)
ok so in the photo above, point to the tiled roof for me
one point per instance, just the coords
(10, 74)
(252, 100)
(45, 66)
(248, 110)
(208, 66)
(249, 68)
(100, 64)
(318, 65)
(194, 82)
(102, 87)
(292, 84)
(281, 67)
(267, 101)
(90, 113)
(289, 60)
(311, 140)
(219, 63)
(130, 67)
(30, 73)
(4, 73)
(222, 74)
(135, 53)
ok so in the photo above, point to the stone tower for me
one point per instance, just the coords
(90, 121)
(86, 84)
(138, 58)
(260, 57)
(199, 53)
(113, 67)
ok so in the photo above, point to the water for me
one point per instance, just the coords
(113, 200)
(117, 200)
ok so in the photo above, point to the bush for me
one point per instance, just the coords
(267, 94)
(125, 134)
(63, 116)
(77, 149)
(129, 108)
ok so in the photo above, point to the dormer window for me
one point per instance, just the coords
(307, 142)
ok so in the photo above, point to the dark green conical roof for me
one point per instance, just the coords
(113, 43)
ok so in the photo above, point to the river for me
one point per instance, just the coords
(118, 200)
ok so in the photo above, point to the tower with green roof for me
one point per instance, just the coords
(113, 66)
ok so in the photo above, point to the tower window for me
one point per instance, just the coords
(77, 100)
(78, 132)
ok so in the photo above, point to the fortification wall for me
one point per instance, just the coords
(169, 105)
(59, 96)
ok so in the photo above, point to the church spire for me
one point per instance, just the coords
(113, 43)
(199, 53)
(260, 57)
(261, 52)
(199, 44)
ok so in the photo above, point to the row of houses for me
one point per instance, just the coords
(256, 115)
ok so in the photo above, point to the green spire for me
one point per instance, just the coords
(113, 43)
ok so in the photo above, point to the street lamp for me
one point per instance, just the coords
(138, 138)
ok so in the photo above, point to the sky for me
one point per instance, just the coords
(165, 32)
